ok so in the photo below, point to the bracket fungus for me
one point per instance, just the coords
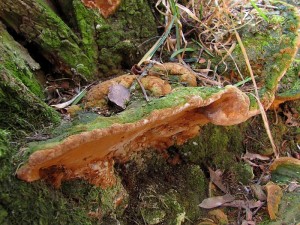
(90, 149)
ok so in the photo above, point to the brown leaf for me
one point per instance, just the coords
(273, 199)
(293, 186)
(213, 202)
(119, 95)
(252, 156)
(201, 60)
(244, 204)
(290, 121)
(216, 178)
(246, 222)
(218, 216)
(258, 192)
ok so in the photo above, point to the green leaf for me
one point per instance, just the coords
(260, 12)
(157, 44)
(205, 49)
(243, 82)
(79, 97)
(182, 50)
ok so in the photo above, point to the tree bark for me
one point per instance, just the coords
(76, 40)
(21, 96)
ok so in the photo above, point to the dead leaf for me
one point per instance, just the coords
(252, 156)
(291, 120)
(273, 199)
(244, 204)
(258, 192)
(246, 222)
(218, 216)
(119, 95)
(284, 161)
(213, 202)
(201, 60)
(216, 178)
(293, 186)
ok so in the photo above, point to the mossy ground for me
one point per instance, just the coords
(77, 40)
(215, 145)
(269, 47)
(76, 202)
(21, 111)
(162, 193)
(159, 192)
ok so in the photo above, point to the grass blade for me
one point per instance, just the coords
(157, 44)
(261, 108)
(182, 50)
(189, 12)
(242, 82)
(73, 101)
(205, 49)
(260, 12)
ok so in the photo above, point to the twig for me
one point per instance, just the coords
(261, 108)
(212, 82)
(143, 89)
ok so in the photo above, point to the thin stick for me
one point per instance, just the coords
(261, 108)
(143, 89)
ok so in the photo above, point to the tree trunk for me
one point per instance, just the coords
(22, 108)
(76, 40)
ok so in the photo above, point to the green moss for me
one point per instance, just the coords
(38, 203)
(286, 173)
(242, 173)
(152, 215)
(277, 19)
(215, 146)
(258, 140)
(178, 213)
(193, 192)
(4, 140)
(21, 110)
(270, 48)
(16, 59)
(85, 23)
(3, 214)
(289, 86)
(120, 35)
(57, 42)
(164, 192)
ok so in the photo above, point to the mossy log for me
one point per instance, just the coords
(77, 40)
(88, 150)
(169, 192)
(271, 48)
(21, 96)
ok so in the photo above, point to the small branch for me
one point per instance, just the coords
(143, 89)
(261, 108)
